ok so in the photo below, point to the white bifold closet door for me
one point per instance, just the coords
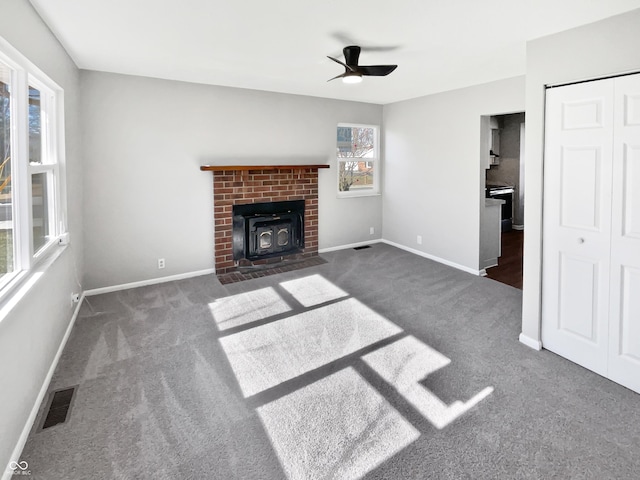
(591, 227)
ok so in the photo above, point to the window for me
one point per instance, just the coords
(31, 216)
(43, 167)
(358, 160)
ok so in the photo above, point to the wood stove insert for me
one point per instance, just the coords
(267, 230)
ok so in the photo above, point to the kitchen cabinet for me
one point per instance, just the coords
(489, 141)
(494, 149)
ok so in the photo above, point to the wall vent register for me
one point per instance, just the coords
(58, 407)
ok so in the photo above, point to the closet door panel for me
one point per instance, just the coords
(577, 222)
(624, 350)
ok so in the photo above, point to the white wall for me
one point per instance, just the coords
(599, 49)
(32, 330)
(144, 140)
(433, 175)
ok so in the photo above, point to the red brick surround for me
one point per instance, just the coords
(242, 186)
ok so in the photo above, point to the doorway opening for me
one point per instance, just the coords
(502, 211)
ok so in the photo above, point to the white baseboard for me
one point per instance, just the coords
(518, 227)
(350, 245)
(151, 281)
(492, 262)
(433, 257)
(15, 456)
(530, 342)
(17, 451)
(483, 272)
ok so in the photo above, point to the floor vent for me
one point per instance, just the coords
(59, 407)
(362, 247)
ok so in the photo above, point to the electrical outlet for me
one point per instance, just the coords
(161, 263)
(419, 240)
(372, 230)
(75, 297)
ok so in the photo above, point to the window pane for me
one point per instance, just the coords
(35, 126)
(6, 204)
(40, 204)
(354, 175)
(356, 143)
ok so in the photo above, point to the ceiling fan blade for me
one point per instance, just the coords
(346, 39)
(376, 70)
(338, 76)
(342, 63)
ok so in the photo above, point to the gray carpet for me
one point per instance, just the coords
(377, 364)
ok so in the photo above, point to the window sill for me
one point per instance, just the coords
(22, 283)
(359, 195)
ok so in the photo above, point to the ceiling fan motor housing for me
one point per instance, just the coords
(351, 55)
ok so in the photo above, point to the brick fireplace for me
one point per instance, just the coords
(243, 185)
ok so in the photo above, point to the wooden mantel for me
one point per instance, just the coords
(227, 168)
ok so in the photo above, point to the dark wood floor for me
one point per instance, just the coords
(509, 269)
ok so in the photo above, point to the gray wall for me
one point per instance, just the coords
(31, 331)
(144, 140)
(434, 179)
(599, 49)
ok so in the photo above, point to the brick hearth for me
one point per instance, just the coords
(256, 185)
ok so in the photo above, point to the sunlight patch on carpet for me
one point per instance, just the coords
(270, 354)
(404, 364)
(337, 427)
(313, 290)
(247, 307)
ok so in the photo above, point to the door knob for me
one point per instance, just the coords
(580, 240)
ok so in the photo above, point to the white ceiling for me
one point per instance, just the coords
(281, 45)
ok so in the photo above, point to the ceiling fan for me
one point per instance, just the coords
(353, 72)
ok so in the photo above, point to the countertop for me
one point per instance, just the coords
(493, 202)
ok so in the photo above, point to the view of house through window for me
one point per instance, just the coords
(40, 210)
(6, 227)
(357, 153)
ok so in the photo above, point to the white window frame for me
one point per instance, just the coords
(23, 75)
(375, 160)
(50, 165)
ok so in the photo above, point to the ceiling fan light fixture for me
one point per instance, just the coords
(353, 72)
(352, 77)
